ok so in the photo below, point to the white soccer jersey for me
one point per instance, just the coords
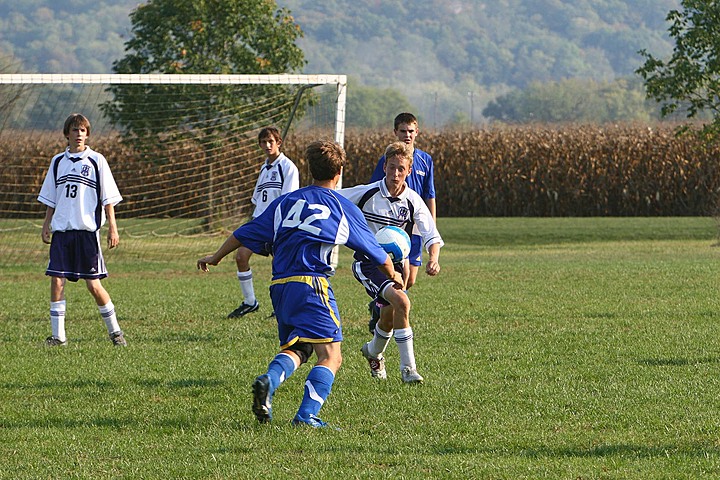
(275, 179)
(407, 211)
(78, 186)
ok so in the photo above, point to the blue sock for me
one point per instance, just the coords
(280, 369)
(317, 388)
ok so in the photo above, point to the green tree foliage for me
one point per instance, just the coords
(371, 107)
(572, 100)
(690, 79)
(202, 37)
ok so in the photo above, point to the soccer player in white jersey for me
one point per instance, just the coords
(278, 176)
(391, 202)
(302, 228)
(80, 194)
(422, 180)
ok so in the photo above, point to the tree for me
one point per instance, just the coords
(371, 107)
(690, 79)
(572, 100)
(201, 37)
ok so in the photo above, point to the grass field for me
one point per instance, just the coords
(551, 348)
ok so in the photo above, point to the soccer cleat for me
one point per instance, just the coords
(410, 375)
(311, 421)
(243, 309)
(118, 339)
(55, 342)
(262, 406)
(377, 364)
(374, 316)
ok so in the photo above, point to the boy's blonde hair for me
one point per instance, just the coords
(76, 120)
(399, 149)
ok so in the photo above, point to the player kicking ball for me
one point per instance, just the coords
(302, 228)
(391, 202)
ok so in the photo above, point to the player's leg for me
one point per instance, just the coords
(107, 311)
(401, 331)
(245, 277)
(57, 313)
(282, 366)
(318, 384)
(374, 281)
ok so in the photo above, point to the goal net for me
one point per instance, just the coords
(183, 150)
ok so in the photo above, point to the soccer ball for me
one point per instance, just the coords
(395, 241)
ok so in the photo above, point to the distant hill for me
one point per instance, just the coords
(443, 55)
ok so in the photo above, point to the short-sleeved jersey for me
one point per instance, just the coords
(421, 178)
(303, 227)
(78, 186)
(407, 211)
(275, 179)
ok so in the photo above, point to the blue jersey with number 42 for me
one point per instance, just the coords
(303, 227)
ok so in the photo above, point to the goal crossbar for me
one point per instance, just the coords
(195, 79)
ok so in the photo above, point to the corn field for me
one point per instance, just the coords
(616, 170)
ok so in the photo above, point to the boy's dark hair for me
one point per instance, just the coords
(76, 120)
(326, 159)
(399, 149)
(271, 132)
(405, 117)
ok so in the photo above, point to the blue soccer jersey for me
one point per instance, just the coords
(303, 227)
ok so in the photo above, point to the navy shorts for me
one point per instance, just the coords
(76, 254)
(374, 280)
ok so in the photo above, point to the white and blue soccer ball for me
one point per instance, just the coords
(395, 241)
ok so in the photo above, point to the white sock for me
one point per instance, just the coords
(57, 319)
(246, 285)
(107, 312)
(406, 349)
(379, 342)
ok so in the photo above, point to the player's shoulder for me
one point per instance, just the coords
(422, 154)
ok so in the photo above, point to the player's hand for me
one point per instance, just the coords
(46, 235)
(432, 268)
(398, 280)
(113, 239)
(203, 263)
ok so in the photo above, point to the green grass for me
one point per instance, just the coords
(551, 348)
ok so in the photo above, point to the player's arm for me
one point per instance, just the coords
(113, 236)
(230, 245)
(46, 233)
(430, 202)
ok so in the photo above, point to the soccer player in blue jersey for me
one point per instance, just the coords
(391, 202)
(422, 180)
(278, 175)
(80, 194)
(302, 229)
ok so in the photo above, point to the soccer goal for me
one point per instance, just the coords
(182, 148)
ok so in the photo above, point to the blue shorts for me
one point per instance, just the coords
(76, 254)
(373, 279)
(415, 250)
(306, 310)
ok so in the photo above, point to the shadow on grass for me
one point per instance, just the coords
(621, 450)
(676, 362)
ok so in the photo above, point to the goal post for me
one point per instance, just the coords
(189, 181)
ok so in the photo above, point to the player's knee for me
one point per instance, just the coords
(302, 350)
